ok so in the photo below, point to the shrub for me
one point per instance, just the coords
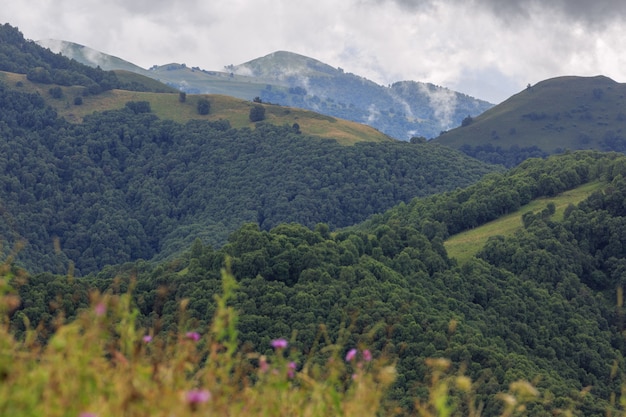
(257, 113)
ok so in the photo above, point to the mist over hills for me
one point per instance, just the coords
(401, 110)
(558, 114)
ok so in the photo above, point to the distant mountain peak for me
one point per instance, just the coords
(280, 64)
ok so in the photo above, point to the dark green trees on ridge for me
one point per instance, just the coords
(125, 185)
(538, 305)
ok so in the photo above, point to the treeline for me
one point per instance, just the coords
(498, 194)
(510, 157)
(40, 65)
(125, 185)
(539, 305)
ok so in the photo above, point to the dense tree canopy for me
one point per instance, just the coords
(539, 305)
(125, 185)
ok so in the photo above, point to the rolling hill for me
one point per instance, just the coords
(402, 110)
(564, 113)
(168, 106)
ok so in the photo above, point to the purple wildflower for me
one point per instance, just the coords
(197, 396)
(351, 355)
(279, 343)
(291, 369)
(367, 355)
(147, 338)
(195, 336)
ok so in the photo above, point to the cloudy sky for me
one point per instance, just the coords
(490, 49)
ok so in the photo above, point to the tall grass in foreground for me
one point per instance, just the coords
(101, 364)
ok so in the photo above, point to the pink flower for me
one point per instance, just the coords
(367, 355)
(195, 336)
(147, 338)
(197, 396)
(291, 369)
(351, 355)
(279, 343)
(100, 309)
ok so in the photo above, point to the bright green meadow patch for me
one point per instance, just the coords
(465, 245)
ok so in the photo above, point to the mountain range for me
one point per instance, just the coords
(552, 116)
(113, 182)
(401, 110)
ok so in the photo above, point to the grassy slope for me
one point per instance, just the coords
(466, 244)
(569, 113)
(168, 106)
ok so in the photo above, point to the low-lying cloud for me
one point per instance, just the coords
(436, 41)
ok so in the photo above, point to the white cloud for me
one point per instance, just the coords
(487, 48)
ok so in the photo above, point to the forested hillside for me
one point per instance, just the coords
(126, 185)
(538, 306)
(22, 56)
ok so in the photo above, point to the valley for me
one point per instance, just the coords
(164, 251)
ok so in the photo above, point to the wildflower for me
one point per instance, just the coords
(263, 366)
(367, 355)
(198, 396)
(279, 343)
(291, 369)
(351, 355)
(100, 309)
(195, 336)
(147, 338)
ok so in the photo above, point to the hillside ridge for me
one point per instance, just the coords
(557, 114)
(294, 80)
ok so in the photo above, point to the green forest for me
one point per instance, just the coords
(124, 185)
(326, 242)
(539, 305)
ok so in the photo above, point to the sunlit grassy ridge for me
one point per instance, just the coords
(463, 246)
(168, 106)
(559, 113)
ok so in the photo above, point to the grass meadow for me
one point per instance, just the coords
(465, 245)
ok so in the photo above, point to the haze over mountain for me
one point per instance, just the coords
(563, 113)
(485, 48)
(401, 110)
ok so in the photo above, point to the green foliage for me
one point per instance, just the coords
(257, 113)
(203, 106)
(138, 107)
(537, 305)
(102, 363)
(125, 185)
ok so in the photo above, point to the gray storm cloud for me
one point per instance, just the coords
(456, 43)
(595, 13)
